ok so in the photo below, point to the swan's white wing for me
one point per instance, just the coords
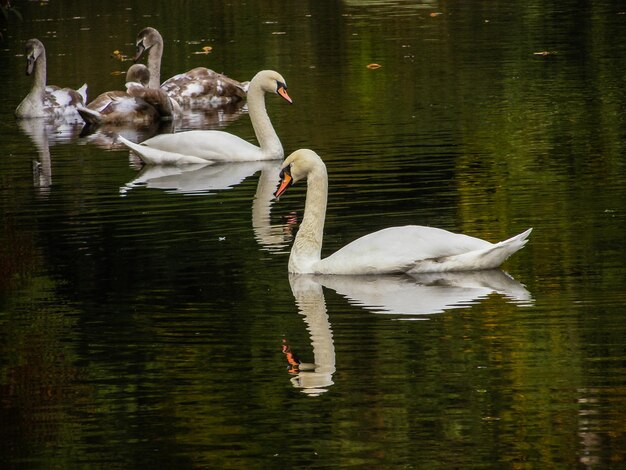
(397, 249)
(152, 156)
(206, 145)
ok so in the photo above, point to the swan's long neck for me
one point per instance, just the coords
(41, 67)
(154, 65)
(307, 247)
(263, 129)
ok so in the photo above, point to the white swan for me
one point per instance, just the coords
(200, 146)
(47, 101)
(137, 105)
(410, 249)
(197, 88)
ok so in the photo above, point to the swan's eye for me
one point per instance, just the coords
(285, 171)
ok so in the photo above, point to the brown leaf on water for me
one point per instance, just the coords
(435, 13)
(117, 72)
(373, 66)
(117, 55)
(205, 50)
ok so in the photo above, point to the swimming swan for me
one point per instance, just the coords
(202, 146)
(137, 105)
(409, 249)
(197, 88)
(47, 101)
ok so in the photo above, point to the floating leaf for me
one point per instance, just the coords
(117, 72)
(205, 50)
(373, 66)
(545, 53)
(119, 56)
(435, 13)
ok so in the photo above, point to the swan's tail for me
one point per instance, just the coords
(90, 116)
(495, 255)
(487, 258)
(153, 156)
(82, 91)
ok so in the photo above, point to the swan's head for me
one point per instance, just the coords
(147, 38)
(138, 73)
(298, 166)
(270, 82)
(33, 49)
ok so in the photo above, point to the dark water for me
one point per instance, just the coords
(147, 317)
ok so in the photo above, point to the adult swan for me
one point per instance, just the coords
(408, 249)
(218, 146)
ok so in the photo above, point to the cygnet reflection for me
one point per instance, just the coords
(45, 133)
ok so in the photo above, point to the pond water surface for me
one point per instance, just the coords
(146, 314)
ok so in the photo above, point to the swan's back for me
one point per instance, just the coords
(202, 87)
(397, 249)
(208, 145)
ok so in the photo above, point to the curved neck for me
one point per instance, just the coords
(312, 305)
(263, 129)
(270, 237)
(307, 247)
(154, 65)
(40, 72)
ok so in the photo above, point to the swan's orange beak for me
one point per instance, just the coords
(282, 91)
(286, 180)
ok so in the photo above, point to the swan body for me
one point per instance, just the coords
(47, 101)
(197, 88)
(137, 105)
(409, 249)
(199, 146)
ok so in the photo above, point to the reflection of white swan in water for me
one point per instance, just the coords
(206, 178)
(44, 133)
(424, 294)
(313, 378)
(390, 294)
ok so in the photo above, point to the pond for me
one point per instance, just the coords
(146, 313)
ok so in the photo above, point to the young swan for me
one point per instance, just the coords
(408, 249)
(138, 105)
(197, 88)
(47, 101)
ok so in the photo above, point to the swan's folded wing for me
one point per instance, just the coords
(152, 156)
(207, 145)
(397, 249)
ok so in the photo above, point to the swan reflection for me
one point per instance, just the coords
(45, 133)
(428, 293)
(313, 378)
(413, 296)
(210, 178)
(106, 135)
